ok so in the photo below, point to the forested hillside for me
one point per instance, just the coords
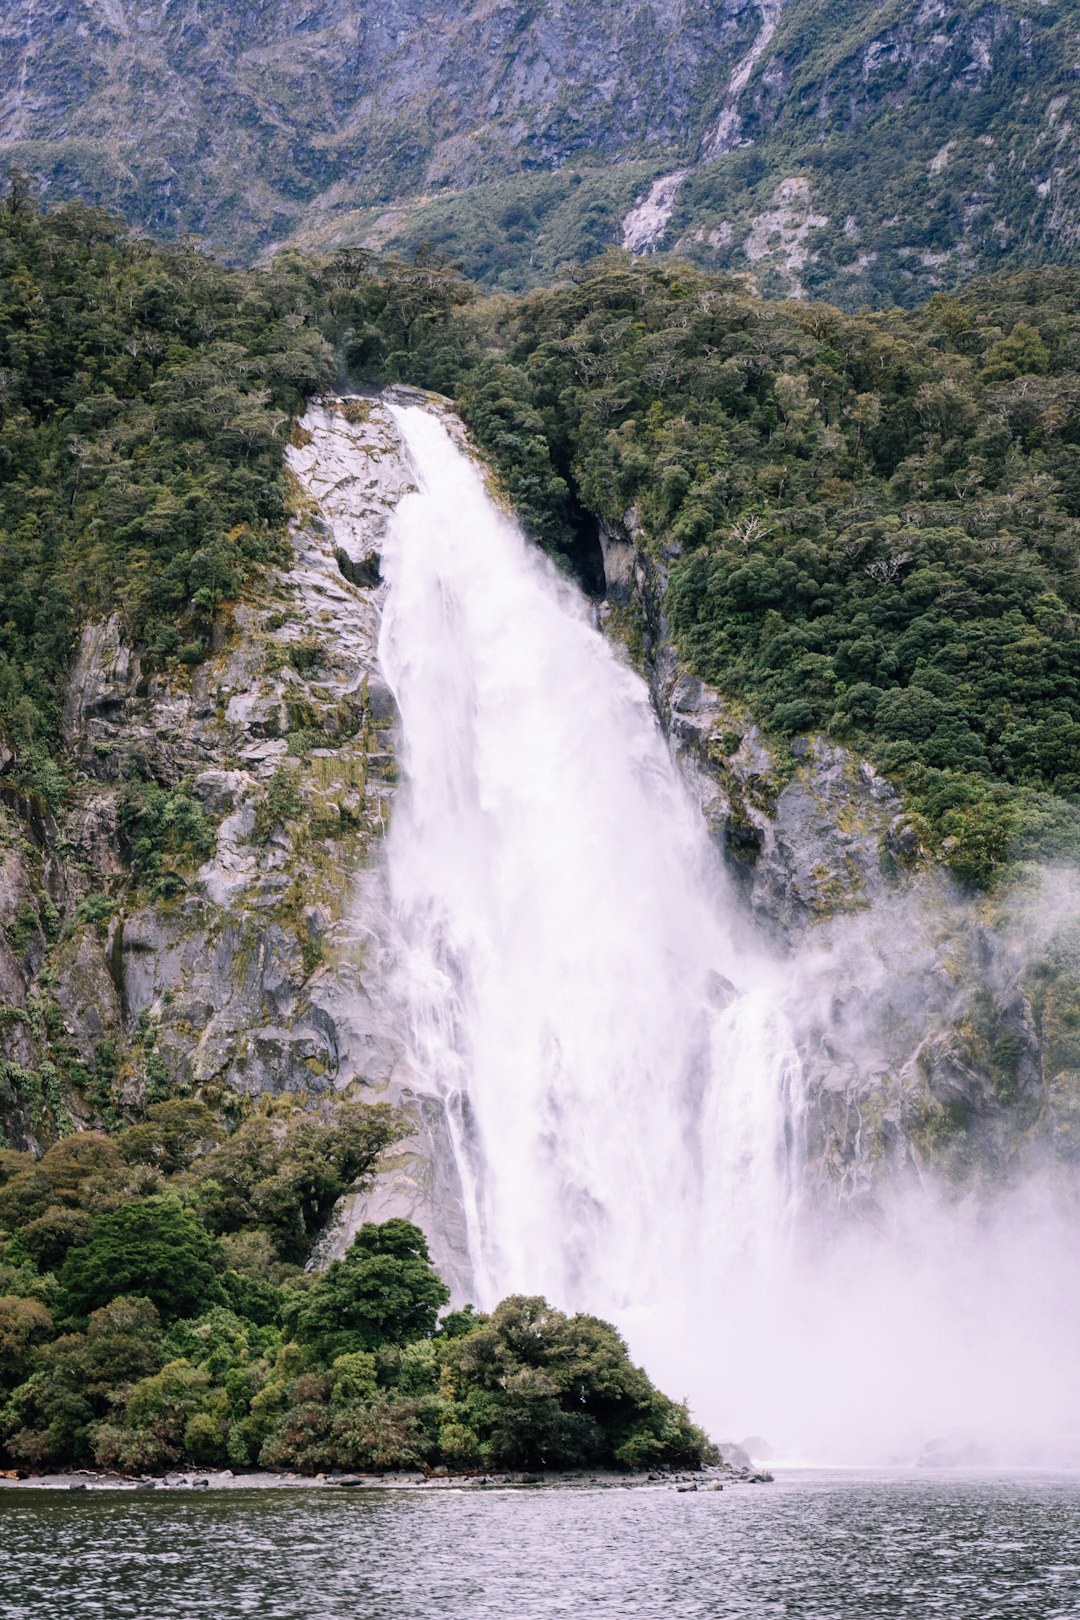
(145, 393)
(872, 521)
(833, 149)
(147, 398)
(154, 1311)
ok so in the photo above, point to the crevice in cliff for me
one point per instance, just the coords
(365, 574)
(584, 552)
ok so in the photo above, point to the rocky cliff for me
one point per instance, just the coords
(937, 1031)
(856, 153)
(246, 976)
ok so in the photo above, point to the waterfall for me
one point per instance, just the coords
(572, 983)
(618, 1059)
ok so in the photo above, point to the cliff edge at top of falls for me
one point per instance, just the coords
(937, 1031)
(250, 975)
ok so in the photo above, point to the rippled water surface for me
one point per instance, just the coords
(817, 1546)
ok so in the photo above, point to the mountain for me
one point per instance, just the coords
(856, 153)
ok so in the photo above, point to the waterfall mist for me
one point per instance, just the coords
(618, 1052)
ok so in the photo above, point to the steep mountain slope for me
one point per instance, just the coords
(853, 152)
(200, 117)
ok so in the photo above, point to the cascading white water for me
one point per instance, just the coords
(568, 965)
(619, 1073)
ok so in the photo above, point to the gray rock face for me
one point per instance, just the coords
(256, 978)
(805, 832)
(102, 680)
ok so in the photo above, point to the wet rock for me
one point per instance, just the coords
(92, 833)
(823, 851)
(903, 839)
(86, 995)
(617, 552)
(22, 936)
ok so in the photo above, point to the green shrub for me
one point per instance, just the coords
(383, 1291)
(154, 1248)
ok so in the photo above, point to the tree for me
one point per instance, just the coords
(24, 1324)
(75, 1172)
(156, 1249)
(173, 1133)
(287, 1177)
(52, 1416)
(158, 1421)
(384, 1291)
(545, 1389)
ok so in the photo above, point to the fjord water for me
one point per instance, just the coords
(618, 1052)
(811, 1547)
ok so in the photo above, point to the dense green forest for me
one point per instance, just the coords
(145, 400)
(144, 393)
(154, 1310)
(871, 522)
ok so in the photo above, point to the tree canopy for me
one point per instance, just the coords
(155, 1249)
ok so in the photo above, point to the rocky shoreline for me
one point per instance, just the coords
(712, 1478)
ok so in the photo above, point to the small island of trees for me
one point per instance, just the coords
(155, 1311)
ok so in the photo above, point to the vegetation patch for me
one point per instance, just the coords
(154, 1311)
